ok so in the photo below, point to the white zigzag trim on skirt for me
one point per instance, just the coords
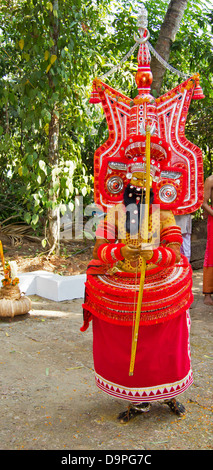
(139, 395)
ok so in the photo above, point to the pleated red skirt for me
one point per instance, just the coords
(162, 367)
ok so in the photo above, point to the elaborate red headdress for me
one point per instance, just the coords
(176, 163)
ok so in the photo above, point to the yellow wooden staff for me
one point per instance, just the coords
(143, 268)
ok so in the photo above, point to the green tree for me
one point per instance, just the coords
(50, 53)
(44, 94)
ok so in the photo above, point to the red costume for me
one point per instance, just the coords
(162, 363)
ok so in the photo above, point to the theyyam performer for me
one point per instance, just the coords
(139, 287)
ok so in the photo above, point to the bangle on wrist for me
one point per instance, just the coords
(110, 253)
(163, 257)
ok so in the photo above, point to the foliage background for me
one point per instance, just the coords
(41, 76)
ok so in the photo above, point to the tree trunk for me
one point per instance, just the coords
(53, 232)
(166, 36)
(53, 213)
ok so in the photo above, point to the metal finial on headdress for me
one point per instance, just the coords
(142, 24)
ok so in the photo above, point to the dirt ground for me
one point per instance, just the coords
(49, 400)
(31, 256)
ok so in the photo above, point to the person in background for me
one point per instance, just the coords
(185, 223)
(208, 260)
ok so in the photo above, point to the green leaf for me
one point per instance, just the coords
(30, 160)
(46, 55)
(49, 6)
(35, 219)
(53, 58)
(43, 166)
(44, 242)
(63, 208)
(27, 217)
(21, 44)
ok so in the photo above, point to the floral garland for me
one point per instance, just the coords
(10, 277)
(190, 83)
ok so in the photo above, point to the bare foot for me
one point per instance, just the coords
(208, 300)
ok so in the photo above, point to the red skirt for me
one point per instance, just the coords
(208, 260)
(162, 367)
